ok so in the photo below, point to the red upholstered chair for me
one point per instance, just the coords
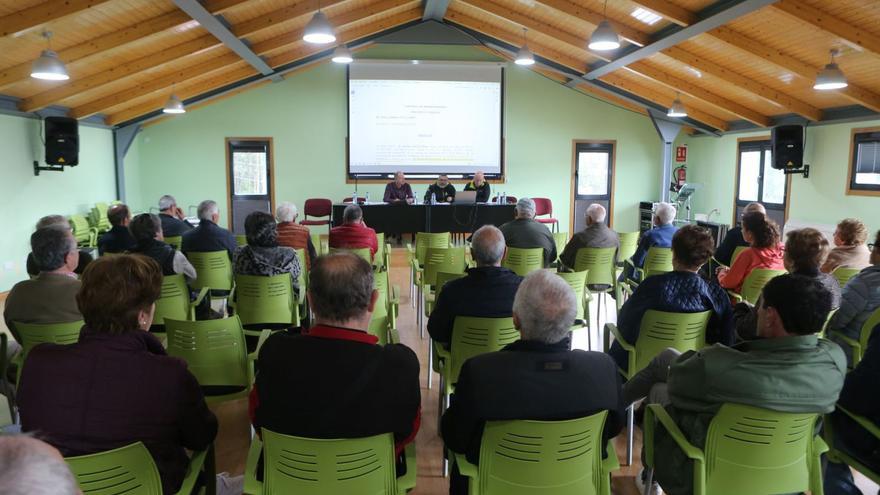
(361, 199)
(543, 206)
(511, 200)
(317, 207)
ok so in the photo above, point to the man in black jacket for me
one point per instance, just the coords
(479, 184)
(208, 236)
(734, 237)
(118, 239)
(486, 291)
(525, 232)
(535, 378)
(173, 220)
(442, 190)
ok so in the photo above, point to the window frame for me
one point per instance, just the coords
(763, 143)
(852, 189)
(230, 144)
(599, 144)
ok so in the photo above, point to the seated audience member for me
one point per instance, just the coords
(292, 234)
(526, 232)
(442, 190)
(479, 184)
(764, 251)
(335, 381)
(805, 250)
(595, 235)
(116, 386)
(85, 257)
(208, 236)
(118, 239)
(659, 236)
(398, 191)
(789, 369)
(537, 377)
(859, 298)
(859, 396)
(680, 291)
(262, 255)
(734, 237)
(849, 249)
(51, 296)
(31, 467)
(486, 291)
(174, 221)
(146, 229)
(353, 233)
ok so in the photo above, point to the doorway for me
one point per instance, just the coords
(250, 179)
(592, 181)
(758, 181)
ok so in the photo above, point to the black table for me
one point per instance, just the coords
(406, 219)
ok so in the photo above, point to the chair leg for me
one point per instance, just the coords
(649, 481)
(630, 420)
(444, 400)
(430, 363)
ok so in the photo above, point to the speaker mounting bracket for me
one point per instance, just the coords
(805, 171)
(48, 168)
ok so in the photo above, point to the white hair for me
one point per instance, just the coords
(545, 307)
(665, 213)
(596, 212)
(525, 207)
(28, 467)
(166, 201)
(758, 207)
(487, 245)
(286, 212)
(207, 209)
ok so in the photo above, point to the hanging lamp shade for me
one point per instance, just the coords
(319, 31)
(342, 55)
(831, 77)
(524, 56)
(677, 109)
(173, 105)
(604, 38)
(49, 67)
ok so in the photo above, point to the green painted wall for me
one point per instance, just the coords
(306, 116)
(25, 198)
(821, 198)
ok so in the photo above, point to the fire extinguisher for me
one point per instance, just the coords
(680, 174)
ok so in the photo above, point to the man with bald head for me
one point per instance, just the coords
(595, 235)
(479, 184)
(734, 237)
(398, 191)
(486, 290)
(536, 378)
(31, 467)
(525, 232)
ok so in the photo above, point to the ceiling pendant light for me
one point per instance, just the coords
(173, 105)
(524, 55)
(604, 38)
(318, 30)
(49, 67)
(831, 77)
(342, 55)
(677, 109)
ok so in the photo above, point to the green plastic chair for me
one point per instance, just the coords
(837, 455)
(33, 334)
(523, 261)
(7, 411)
(542, 457)
(85, 235)
(736, 252)
(602, 273)
(754, 284)
(391, 294)
(264, 301)
(362, 252)
(859, 347)
(98, 217)
(629, 242)
(380, 260)
(449, 260)
(561, 239)
(442, 279)
(327, 466)
(843, 274)
(578, 283)
(216, 353)
(748, 450)
(241, 240)
(130, 470)
(417, 253)
(174, 301)
(657, 261)
(176, 241)
(213, 270)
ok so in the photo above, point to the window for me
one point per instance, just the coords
(593, 170)
(249, 171)
(865, 169)
(757, 179)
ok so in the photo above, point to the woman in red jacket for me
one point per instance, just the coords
(764, 251)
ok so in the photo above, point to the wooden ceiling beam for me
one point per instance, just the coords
(578, 11)
(830, 24)
(672, 12)
(805, 71)
(279, 16)
(42, 13)
(778, 97)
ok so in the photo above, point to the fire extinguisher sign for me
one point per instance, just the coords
(681, 153)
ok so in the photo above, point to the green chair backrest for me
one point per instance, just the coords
(241, 240)
(599, 262)
(629, 242)
(379, 326)
(214, 350)
(754, 450)
(362, 252)
(523, 260)
(379, 259)
(328, 466)
(98, 217)
(128, 470)
(380, 283)
(265, 300)
(472, 336)
(175, 241)
(755, 282)
(303, 279)
(736, 252)
(448, 259)
(660, 330)
(80, 228)
(843, 274)
(213, 270)
(578, 282)
(174, 300)
(658, 260)
(543, 457)
(868, 328)
(425, 240)
(32, 334)
(561, 239)
(444, 277)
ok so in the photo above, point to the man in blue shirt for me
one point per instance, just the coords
(660, 236)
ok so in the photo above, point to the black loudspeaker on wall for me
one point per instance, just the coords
(787, 142)
(62, 141)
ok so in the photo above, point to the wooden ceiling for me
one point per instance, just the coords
(753, 67)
